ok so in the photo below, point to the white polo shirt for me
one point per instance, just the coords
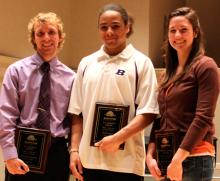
(128, 78)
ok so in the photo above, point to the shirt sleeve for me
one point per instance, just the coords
(75, 105)
(9, 113)
(147, 90)
(207, 77)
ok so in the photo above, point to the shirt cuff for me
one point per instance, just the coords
(9, 153)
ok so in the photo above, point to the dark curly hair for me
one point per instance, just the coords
(126, 18)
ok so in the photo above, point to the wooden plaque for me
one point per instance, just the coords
(32, 146)
(167, 143)
(108, 119)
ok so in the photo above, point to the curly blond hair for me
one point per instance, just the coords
(50, 18)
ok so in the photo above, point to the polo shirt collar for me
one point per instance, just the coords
(124, 55)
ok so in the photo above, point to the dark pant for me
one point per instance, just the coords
(199, 168)
(57, 168)
(103, 175)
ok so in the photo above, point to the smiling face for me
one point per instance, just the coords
(113, 32)
(46, 39)
(181, 34)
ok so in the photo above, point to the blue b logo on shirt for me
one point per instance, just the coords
(120, 72)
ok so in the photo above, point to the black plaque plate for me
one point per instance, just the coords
(167, 143)
(32, 146)
(108, 119)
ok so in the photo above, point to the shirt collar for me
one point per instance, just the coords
(37, 60)
(124, 55)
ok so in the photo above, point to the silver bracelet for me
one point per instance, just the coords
(73, 150)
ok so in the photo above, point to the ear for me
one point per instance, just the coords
(34, 43)
(128, 29)
(33, 40)
(60, 41)
(195, 35)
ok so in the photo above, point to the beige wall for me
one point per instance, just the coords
(158, 11)
(14, 17)
(80, 25)
(85, 25)
(209, 15)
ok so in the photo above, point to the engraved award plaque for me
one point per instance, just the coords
(32, 146)
(108, 119)
(167, 143)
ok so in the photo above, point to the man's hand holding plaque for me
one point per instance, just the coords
(32, 146)
(108, 119)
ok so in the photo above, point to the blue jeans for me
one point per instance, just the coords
(199, 168)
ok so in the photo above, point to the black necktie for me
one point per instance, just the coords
(43, 120)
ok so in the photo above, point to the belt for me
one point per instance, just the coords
(59, 139)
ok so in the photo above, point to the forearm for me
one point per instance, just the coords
(180, 156)
(76, 132)
(138, 123)
(151, 150)
(175, 168)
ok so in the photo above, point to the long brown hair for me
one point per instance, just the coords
(170, 54)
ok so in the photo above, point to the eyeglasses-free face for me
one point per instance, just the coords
(113, 32)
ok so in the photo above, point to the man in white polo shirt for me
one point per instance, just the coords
(115, 76)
